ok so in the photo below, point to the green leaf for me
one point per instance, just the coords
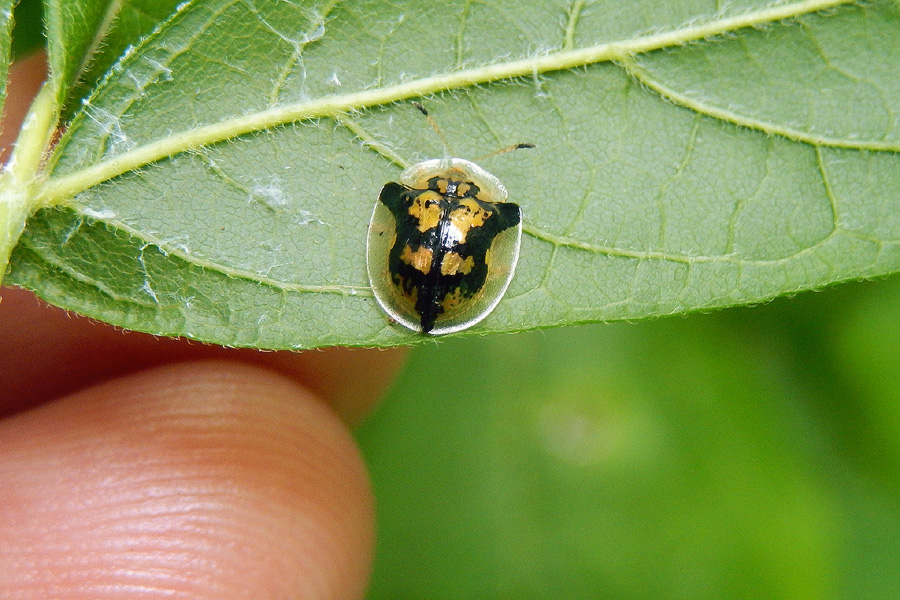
(128, 21)
(75, 29)
(218, 182)
(85, 38)
(825, 81)
(6, 25)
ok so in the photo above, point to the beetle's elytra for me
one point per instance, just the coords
(443, 245)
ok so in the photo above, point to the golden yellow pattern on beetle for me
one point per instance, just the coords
(452, 300)
(426, 208)
(453, 263)
(420, 260)
(466, 217)
(454, 246)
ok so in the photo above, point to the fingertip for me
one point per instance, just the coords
(48, 352)
(352, 380)
(207, 480)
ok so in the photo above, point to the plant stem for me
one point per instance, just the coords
(19, 176)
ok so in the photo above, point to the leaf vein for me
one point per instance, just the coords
(65, 267)
(112, 11)
(645, 77)
(178, 250)
(574, 14)
(829, 192)
(461, 32)
(686, 259)
(370, 141)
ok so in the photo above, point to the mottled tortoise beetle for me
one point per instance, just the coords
(443, 244)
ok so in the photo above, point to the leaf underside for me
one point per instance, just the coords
(86, 37)
(702, 171)
(6, 24)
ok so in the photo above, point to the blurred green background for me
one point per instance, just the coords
(749, 453)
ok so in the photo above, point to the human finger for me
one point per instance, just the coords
(206, 479)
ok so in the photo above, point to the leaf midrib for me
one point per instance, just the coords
(61, 190)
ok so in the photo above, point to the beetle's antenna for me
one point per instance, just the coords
(448, 152)
(521, 146)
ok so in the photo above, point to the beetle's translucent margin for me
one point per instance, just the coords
(376, 277)
(412, 176)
